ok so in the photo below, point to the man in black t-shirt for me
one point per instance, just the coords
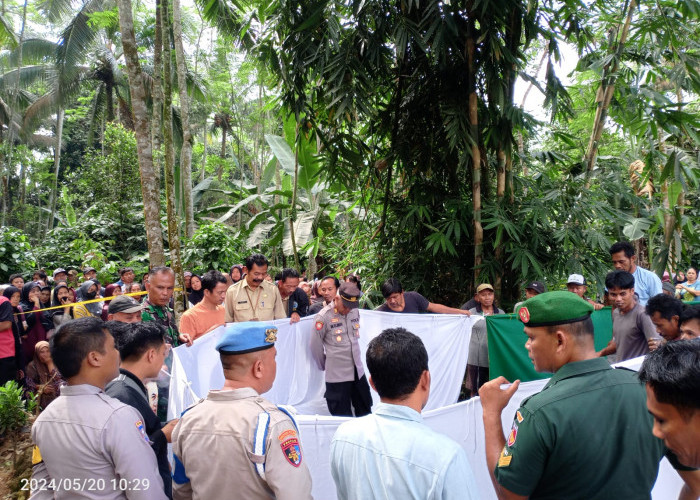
(410, 302)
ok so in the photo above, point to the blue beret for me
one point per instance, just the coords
(250, 336)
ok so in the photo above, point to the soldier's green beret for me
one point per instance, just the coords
(554, 308)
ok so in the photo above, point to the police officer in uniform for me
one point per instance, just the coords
(236, 444)
(587, 434)
(89, 445)
(334, 346)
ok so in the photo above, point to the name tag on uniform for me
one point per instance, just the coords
(242, 301)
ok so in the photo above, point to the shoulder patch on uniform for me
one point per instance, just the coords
(513, 434)
(36, 455)
(319, 325)
(288, 434)
(292, 451)
(519, 416)
(505, 458)
(142, 429)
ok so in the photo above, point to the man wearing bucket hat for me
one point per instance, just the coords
(236, 443)
(587, 434)
(335, 347)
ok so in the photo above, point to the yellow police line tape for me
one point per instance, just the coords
(101, 299)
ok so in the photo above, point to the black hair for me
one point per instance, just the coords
(665, 305)
(258, 259)
(277, 277)
(161, 269)
(392, 285)
(578, 329)
(354, 278)
(690, 312)
(118, 329)
(210, 279)
(336, 281)
(15, 276)
(619, 279)
(622, 246)
(673, 372)
(288, 272)
(42, 275)
(124, 270)
(396, 359)
(139, 338)
(74, 340)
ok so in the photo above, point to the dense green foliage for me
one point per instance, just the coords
(373, 136)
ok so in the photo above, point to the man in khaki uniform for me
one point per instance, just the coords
(253, 298)
(89, 445)
(335, 347)
(236, 444)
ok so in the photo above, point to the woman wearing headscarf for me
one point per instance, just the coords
(45, 296)
(88, 291)
(236, 273)
(43, 378)
(197, 293)
(10, 357)
(110, 291)
(62, 296)
(35, 324)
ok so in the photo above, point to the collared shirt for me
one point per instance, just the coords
(335, 346)
(646, 284)
(393, 454)
(263, 303)
(164, 316)
(93, 446)
(587, 434)
(216, 453)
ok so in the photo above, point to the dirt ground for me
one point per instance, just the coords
(10, 478)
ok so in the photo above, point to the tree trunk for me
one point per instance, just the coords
(605, 93)
(293, 212)
(56, 168)
(203, 173)
(187, 139)
(149, 186)
(157, 93)
(169, 150)
(109, 101)
(474, 134)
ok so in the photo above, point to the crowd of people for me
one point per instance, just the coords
(98, 357)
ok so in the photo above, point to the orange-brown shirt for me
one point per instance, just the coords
(198, 320)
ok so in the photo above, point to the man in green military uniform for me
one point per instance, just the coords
(587, 434)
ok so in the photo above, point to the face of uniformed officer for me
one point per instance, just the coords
(667, 328)
(622, 298)
(256, 275)
(541, 347)
(690, 329)
(679, 430)
(396, 302)
(161, 288)
(340, 305)
(111, 358)
(327, 289)
(270, 364)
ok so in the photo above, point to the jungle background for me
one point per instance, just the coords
(439, 142)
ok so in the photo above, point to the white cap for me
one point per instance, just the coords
(576, 279)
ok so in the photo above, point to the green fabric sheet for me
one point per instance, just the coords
(507, 353)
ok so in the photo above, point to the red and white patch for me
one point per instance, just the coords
(319, 325)
(524, 315)
(513, 434)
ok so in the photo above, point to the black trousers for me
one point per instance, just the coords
(340, 395)
(8, 369)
